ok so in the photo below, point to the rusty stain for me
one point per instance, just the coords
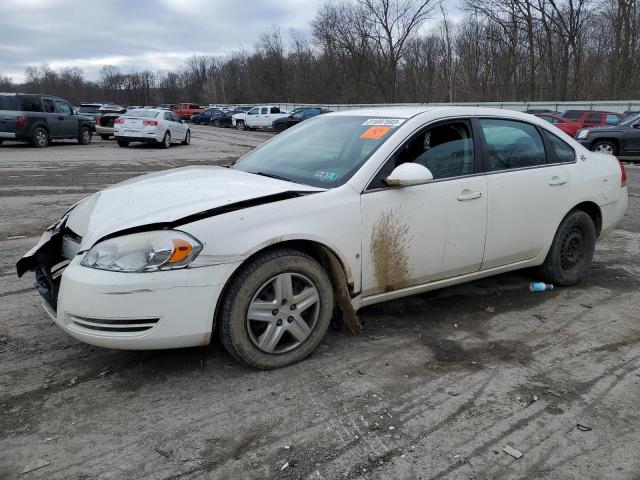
(389, 239)
(342, 298)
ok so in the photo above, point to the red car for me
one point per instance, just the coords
(564, 124)
(185, 110)
(592, 118)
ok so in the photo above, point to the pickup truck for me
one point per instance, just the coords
(185, 110)
(258, 117)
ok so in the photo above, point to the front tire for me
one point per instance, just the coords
(216, 123)
(571, 252)
(187, 138)
(605, 147)
(240, 125)
(39, 137)
(84, 137)
(104, 137)
(276, 310)
(280, 128)
(166, 140)
(122, 143)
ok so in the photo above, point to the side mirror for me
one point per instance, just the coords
(409, 174)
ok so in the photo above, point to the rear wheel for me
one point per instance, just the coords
(571, 252)
(276, 310)
(104, 137)
(280, 128)
(84, 137)
(187, 138)
(122, 143)
(39, 138)
(166, 140)
(216, 123)
(605, 146)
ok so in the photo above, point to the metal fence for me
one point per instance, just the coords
(619, 106)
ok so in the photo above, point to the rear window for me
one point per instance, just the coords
(8, 103)
(142, 113)
(30, 104)
(89, 109)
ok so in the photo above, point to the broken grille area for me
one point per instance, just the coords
(118, 326)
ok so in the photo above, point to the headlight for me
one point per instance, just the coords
(144, 252)
(582, 134)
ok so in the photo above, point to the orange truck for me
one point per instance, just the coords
(185, 110)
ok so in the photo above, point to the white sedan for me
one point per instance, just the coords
(341, 211)
(151, 125)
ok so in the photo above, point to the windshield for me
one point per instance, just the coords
(142, 113)
(323, 152)
(630, 120)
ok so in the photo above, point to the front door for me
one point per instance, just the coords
(527, 192)
(66, 122)
(419, 234)
(631, 141)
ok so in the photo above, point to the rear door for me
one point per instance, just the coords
(67, 124)
(631, 140)
(8, 115)
(527, 190)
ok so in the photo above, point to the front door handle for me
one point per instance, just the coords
(467, 194)
(555, 181)
(60, 118)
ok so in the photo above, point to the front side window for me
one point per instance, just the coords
(594, 118)
(322, 152)
(63, 107)
(564, 153)
(253, 111)
(512, 144)
(264, 110)
(612, 119)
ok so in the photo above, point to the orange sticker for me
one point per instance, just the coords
(375, 133)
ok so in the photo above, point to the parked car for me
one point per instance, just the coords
(257, 117)
(106, 119)
(38, 119)
(567, 126)
(539, 110)
(592, 118)
(91, 110)
(348, 209)
(226, 120)
(206, 115)
(631, 113)
(297, 116)
(623, 140)
(151, 126)
(185, 110)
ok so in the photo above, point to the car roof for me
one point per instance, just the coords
(436, 111)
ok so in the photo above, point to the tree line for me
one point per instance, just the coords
(366, 51)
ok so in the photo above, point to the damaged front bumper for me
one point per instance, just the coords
(131, 311)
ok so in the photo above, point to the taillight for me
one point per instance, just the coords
(623, 175)
(22, 121)
(150, 123)
(97, 119)
(119, 120)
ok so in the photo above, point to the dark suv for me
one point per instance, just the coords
(38, 119)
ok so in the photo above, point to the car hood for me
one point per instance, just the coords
(610, 128)
(172, 197)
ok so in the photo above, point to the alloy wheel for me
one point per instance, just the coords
(41, 138)
(283, 313)
(604, 148)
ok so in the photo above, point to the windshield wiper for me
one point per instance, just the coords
(272, 175)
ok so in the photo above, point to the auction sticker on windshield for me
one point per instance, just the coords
(384, 122)
(375, 133)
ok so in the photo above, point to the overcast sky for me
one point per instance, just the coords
(139, 34)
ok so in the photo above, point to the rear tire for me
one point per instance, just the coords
(280, 128)
(39, 138)
(104, 137)
(606, 147)
(271, 283)
(84, 137)
(122, 143)
(216, 123)
(571, 252)
(187, 138)
(166, 140)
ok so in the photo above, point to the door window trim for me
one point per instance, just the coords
(477, 162)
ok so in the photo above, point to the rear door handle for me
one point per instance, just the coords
(468, 195)
(555, 181)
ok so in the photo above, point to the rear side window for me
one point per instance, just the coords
(564, 153)
(8, 103)
(594, 118)
(275, 110)
(512, 144)
(31, 104)
(572, 115)
(195, 107)
(264, 110)
(167, 116)
(49, 107)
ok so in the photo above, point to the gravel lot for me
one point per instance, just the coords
(435, 388)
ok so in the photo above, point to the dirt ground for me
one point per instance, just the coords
(436, 387)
